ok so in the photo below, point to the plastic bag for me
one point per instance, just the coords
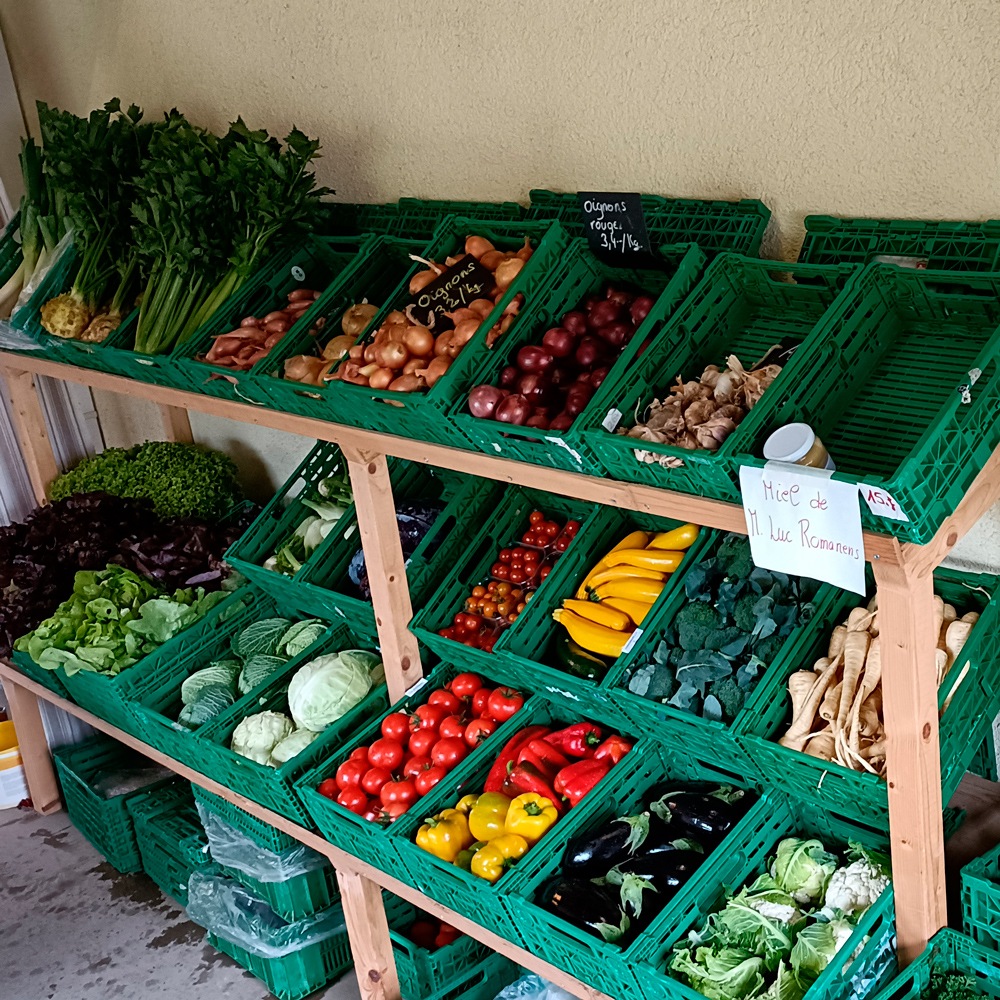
(532, 987)
(230, 911)
(233, 849)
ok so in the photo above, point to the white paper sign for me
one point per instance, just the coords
(802, 522)
(882, 503)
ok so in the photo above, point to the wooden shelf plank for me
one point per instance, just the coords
(628, 496)
(339, 857)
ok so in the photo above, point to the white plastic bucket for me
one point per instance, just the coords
(13, 787)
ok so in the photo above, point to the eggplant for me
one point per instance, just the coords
(705, 816)
(617, 840)
(591, 907)
(648, 883)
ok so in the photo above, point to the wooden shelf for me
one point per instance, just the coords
(903, 573)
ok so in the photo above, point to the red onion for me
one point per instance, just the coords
(483, 401)
(508, 377)
(639, 309)
(533, 386)
(575, 322)
(598, 375)
(562, 422)
(558, 342)
(588, 351)
(514, 409)
(616, 334)
(603, 313)
(620, 298)
(538, 420)
(577, 399)
(534, 359)
(589, 302)
(561, 375)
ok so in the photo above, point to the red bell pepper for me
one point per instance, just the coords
(613, 749)
(579, 740)
(525, 778)
(544, 756)
(498, 773)
(573, 782)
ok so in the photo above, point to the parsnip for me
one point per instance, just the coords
(821, 745)
(855, 649)
(837, 637)
(802, 719)
(831, 702)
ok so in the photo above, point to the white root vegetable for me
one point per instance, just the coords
(831, 702)
(798, 732)
(837, 637)
(955, 637)
(821, 664)
(821, 745)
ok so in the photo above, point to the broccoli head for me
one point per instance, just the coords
(734, 557)
(731, 696)
(695, 622)
(768, 649)
(723, 637)
(743, 613)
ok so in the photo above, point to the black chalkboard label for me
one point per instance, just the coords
(615, 225)
(454, 289)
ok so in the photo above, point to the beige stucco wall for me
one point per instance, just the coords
(845, 106)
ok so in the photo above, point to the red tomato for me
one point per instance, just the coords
(446, 936)
(360, 754)
(464, 686)
(417, 765)
(350, 773)
(536, 517)
(480, 700)
(551, 529)
(422, 741)
(479, 730)
(374, 812)
(392, 812)
(422, 934)
(385, 753)
(354, 799)
(329, 788)
(429, 717)
(428, 779)
(572, 527)
(446, 700)
(504, 556)
(396, 726)
(451, 727)
(504, 703)
(398, 793)
(374, 779)
(501, 571)
(449, 753)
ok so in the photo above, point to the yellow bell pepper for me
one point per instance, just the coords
(680, 538)
(487, 817)
(445, 835)
(464, 859)
(465, 803)
(529, 816)
(491, 861)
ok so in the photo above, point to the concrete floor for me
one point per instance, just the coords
(72, 928)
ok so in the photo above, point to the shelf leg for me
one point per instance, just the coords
(913, 759)
(176, 424)
(368, 932)
(386, 569)
(29, 422)
(38, 770)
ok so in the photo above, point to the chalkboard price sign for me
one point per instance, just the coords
(453, 289)
(615, 226)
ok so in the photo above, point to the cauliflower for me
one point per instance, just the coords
(856, 886)
(257, 735)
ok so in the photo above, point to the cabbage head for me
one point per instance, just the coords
(257, 735)
(327, 688)
(802, 868)
(291, 746)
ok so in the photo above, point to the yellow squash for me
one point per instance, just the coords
(646, 591)
(599, 614)
(680, 538)
(636, 610)
(591, 636)
(633, 540)
(660, 560)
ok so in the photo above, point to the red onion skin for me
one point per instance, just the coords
(561, 422)
(640, 309)
(603, 313)
(589, 351)
(534, 386)
(538, 420)
(515, 409)
(508, 377)
(575, 322)
(620, 298)
(577, 399)
(533, 358)
(598, 375)
(558, 342)
(589, 302)
(616, 334)
(483, 401)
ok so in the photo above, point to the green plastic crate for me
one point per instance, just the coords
(272, 787)
(740, 308)
(609, 967)
(526, 645)
(855, 388)
(473, 568)
(981, 899)
(713, 741)
(320, 259)
(716, 226)
(460, 890)
(483, 982)
(106, 823)
(984, 763)
(372, 842)
(863, 797)
(578, 275)
(411, 218)
(378, 275)
(296, 975)
(156, 700)
(422, 972)
(948, 951)
(296, 897)
(51, 679)
(112, 698)
(168, 833)
(946, 246)
(263, 834)
(422, 415)
(10, 249)
(873, 938)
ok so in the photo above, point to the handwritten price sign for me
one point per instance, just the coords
(615, 225)
(802, 522)
(882, 503)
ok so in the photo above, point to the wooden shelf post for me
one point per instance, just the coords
(39, 773)
(176, 424)
(913, 760)
(29, 422)
(386, 569)
(368, 931)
